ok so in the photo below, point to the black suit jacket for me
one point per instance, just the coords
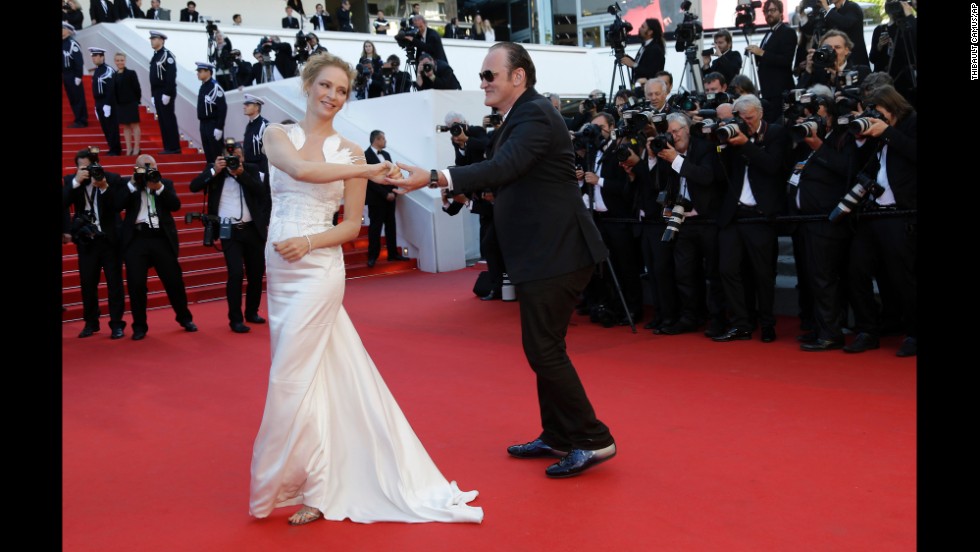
(728, 64)
(123, 7)
(99, 15)
(166, 203)
(651, 61)
(109, 219)
(327, 22)
(432, 44)
(290, 23)
(849, 18)
(775, 66)
(766, 162)
(830, 172)
(476, 147)
(618, 193)
(542, 226)
(376, 193)
(187, 16)
(445, 78)
(901, 161)
(255, 192)
(704, 175)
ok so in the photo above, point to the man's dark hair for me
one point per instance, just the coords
(375, 134)
(725, 34)
(189, 4)
(83, 153)
(658, 30)
(715, 76)
(743, 83)
(665, 74)
(610, 120)
(518, 58)
(777, 3)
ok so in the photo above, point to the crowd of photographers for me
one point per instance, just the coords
(691, 190)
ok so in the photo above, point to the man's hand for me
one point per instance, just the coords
(814, 142)
(417, 178)
(155, 186)
(877, 127)
(384, 171)
(740, 139)
(591, 178)
(220, 164)
(668, 154)
(82, 175)
(627, 61)
(753, 49)
(107, 110)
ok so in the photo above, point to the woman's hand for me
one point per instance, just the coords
(380, 171)
(293, 249)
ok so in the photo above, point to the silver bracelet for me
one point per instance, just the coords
(308, 241)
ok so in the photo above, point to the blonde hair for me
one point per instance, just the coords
(317, 62)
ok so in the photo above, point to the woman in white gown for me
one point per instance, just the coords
(332, 437)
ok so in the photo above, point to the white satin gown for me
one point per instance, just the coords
(332, 436)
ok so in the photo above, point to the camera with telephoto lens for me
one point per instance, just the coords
(428, 67)
(684, 101)
(731, 127)
(812, 126)
(689, 30)
(589, 137)
(856, 195)
(660, 142)
(208, 221)
(95, 170)
(813, 9)
(745, 14)
(145, 174)
(862, 122)
(824, 57)
(84, 229)
(678, 212)
(895, 10)
(232, 162)
(617, 32)
(493, 120)
(455, 129)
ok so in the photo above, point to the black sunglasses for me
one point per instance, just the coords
(487, 75)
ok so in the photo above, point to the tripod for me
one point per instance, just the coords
(617, 68)
(692, 68)
(904, 40)
(590, 157)
(750, 59)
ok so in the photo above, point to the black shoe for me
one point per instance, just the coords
(823, 345)
(680, 327)
(768, 334)
(809, 337)
(78, 125)
(715, 328)
(490, 296)
(733, 334)
(659, 329)
(535, 449)
(254, 319)
(397, 257)
(655, 323)
(170, 152)
(112, 154)
(190, 326)
(238, 327)
(908, 348)
(371, 262)
(863, 342)
(117, 333)
(138, 334)
(578, 460)
(87, 331)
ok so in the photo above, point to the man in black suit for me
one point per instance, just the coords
(149, 239)
(754, 162)
(428, 40)
(290, 21)
(128, 8)
(321, 19)
(452, 30)
(434, 74)
(729, 62)
(651, 56)
(344, 22)
(550, 244)
(189, 14)
(847, 16)
(154, 11)
(774, 55)
(397, 82)
(237, 197)
(95, 231)
(381, 201)
(102, 11)
(367, 84)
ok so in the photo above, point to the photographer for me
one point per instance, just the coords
(427, 40)
(149, 239)
(614, 194)
(691, 175)
(238, 208)
(655, 91)
(469, 145)
(884, 248)
(651, 56)
(894, 47)
(263, 70)
(224, 62)
(72, 13)
(241, 69)
(729, 62)
(366, 84)
(825, 64)
(847, 17)
(306, 45)
(435, 74)
(212, 109)
(823, 178)
(284, 61)
(396, 82)
(95, 230)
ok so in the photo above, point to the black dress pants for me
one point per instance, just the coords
(827, 249)
(151, 248)
(567, 418)
(697, 276)
(246, 248)
(882, 249)
(659, 259)
(754, 243)
(95, 257)
(382, 214)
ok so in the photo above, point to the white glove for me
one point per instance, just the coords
(107, 110)
(217, 134)
(165, 99)
(78, 81)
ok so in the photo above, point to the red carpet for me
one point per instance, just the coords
(722, 446)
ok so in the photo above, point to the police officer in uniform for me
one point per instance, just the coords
(72, 69)
(104, 92)
(211, 110)
(163, 86)
(254, 131)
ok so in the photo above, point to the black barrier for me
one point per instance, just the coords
(773, 220)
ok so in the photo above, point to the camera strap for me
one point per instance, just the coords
(93, 205)
(151, 209)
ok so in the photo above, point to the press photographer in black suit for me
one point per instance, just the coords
(367, 84)
(848, 17)
(396, 81)
(435, 74)
(237, 196)
(427, 40)
(95, 230)
(149, 239)
(729, 62)
(884, 248)
(754, 161)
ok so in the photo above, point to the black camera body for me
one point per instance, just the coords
(862, 123)
(745, 14)
(588, 137)
(812, 126)
(96, 171)
(84, 229)
(494, 120)
(617, 32)
(730, 128)
(232, 162)
(660, 142)
(824, 57)
(145, 174)
(455, 129)
(687, 31)
(209, 222)
(856, 195)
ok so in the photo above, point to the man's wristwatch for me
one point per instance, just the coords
(433, 178)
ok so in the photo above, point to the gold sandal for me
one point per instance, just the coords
(305, 515)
